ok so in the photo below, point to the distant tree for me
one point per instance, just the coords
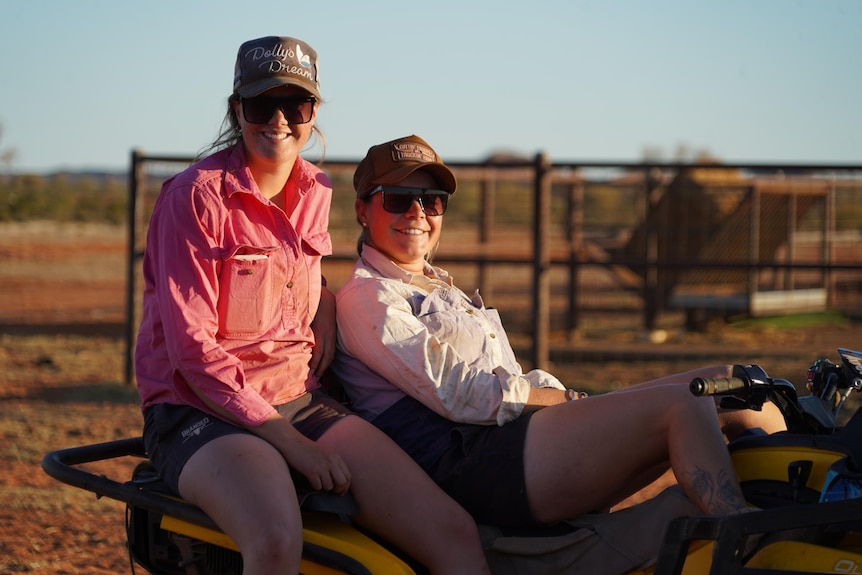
(652, 153)
(682, 153)
(7, 156)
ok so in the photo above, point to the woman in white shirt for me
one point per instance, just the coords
(432, 367)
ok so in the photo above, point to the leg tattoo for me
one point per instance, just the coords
(718, 496)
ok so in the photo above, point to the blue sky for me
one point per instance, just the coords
(84, 82)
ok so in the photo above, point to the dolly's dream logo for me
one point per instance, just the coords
(280, 59)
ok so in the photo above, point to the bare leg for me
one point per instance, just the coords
(590, 454)
(244, 485)
(732, 421)
(654, 487)
(398, 501)
(735, 421)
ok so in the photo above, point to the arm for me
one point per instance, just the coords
(324, 333)
(322, 468)
(182, 272)
(544, 396)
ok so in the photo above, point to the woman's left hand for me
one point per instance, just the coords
(323, 327)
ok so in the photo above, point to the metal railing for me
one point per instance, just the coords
(648, 266)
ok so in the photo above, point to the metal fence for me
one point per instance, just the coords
(581, 249)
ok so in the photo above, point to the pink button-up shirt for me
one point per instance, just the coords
(232, 284)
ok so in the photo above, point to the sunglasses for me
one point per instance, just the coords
(398, 200)
(296, 109)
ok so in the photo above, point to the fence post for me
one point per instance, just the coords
(790, 255)
(828, 276)
(541, 260)
(487, 197)
(132, 215)
(651, 285)
(754, 245)
(575, 236)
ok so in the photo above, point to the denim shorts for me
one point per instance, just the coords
(173, 433)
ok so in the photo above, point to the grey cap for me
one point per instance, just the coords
(275, 61)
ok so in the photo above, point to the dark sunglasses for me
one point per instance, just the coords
(296, 109)
(397, 199)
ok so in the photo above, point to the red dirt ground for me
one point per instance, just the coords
(61, 372)
(60, 391)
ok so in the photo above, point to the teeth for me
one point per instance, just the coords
(412, 231)
(271, 136)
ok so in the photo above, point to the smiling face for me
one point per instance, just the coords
(277, 142)
(405, 238)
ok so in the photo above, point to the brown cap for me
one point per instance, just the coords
(389, 163)
(275, 61)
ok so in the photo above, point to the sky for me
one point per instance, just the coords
(84, 82)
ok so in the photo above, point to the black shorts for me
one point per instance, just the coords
(173, 433)
(483, 470)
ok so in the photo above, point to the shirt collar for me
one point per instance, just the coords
(376, 260)
(239, 179)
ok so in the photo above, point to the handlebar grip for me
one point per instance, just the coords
(701, 386)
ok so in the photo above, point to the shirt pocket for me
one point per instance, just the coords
(246, 283)
(453, 319)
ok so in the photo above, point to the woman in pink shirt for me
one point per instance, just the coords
(238, 326)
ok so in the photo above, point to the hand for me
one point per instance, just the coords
(324, 329)
(572, 395)
(323, 469)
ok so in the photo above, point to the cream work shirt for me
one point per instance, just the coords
(417, 334)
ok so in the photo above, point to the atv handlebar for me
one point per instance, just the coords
(749, 387)
(701, 386)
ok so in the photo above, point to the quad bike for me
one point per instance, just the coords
(807, 481)
(793, 476)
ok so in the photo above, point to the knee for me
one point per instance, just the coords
(460, 544)
(768, 420)
(276, 549)
(456, 527)
(687, 404)
(464, 528)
